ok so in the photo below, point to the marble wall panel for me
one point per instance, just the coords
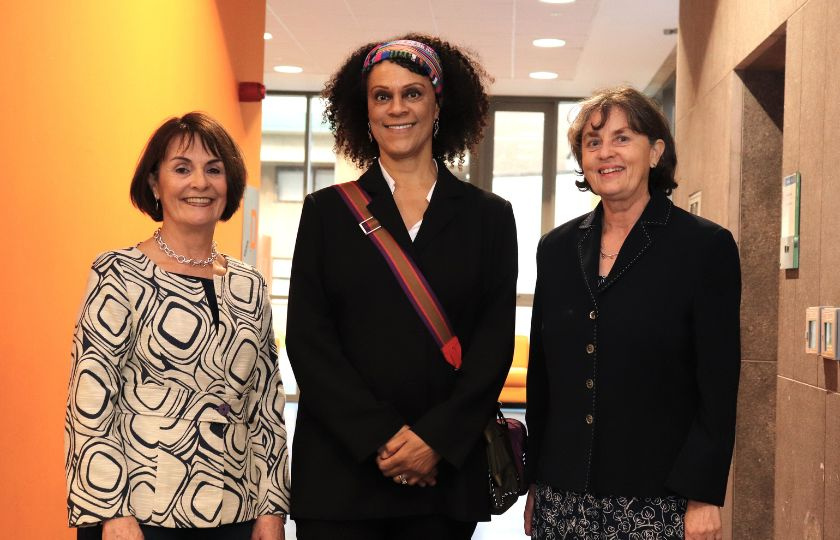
(832, 467)
(755, 453)
(759, 205)
(718, 34)
(791, 322)
(715, 37)
(703, 154)
(830, 253)
(800, 461)
(806, 368)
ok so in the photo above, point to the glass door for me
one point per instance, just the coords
(513, 162)
(518, 150)
(526, 159)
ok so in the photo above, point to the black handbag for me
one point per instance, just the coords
(507, 440)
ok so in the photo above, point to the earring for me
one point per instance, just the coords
(436, 128)
(653, 165)
(370, 135)
(157, 204)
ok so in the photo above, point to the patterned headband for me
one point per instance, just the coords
(414, 51)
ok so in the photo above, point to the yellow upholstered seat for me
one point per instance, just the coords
(514, 389)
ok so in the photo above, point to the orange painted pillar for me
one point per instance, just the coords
(84, 84)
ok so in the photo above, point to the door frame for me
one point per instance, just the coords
(481, 166)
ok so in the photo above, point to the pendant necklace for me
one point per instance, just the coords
(608, 255)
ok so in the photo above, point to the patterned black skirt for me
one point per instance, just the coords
(580, 516)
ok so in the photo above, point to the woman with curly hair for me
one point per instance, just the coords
(388, 442)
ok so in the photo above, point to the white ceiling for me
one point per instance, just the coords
(608, 42)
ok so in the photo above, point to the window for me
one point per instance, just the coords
(525, 158)
(281, 272)
(296, 158)
(291, 186)
(323, 176)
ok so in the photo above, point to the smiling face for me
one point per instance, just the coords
(401, 110)
(191, 185)
(616, 160)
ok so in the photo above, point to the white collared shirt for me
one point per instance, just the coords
(412, 232)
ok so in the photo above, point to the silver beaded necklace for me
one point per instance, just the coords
(180, 258)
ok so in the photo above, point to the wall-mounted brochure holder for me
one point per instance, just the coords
(813, 327)
(789, 246)
(829, 332)
(250, 211)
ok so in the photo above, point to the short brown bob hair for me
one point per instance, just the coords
(643, 116)
(215, 140)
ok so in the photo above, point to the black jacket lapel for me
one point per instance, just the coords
(442, 208)
(656, 214)
(383, 207)
(589, 243)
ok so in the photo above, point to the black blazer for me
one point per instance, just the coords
(366, 364)
(632, 385)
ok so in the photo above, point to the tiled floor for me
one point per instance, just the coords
(505, 527)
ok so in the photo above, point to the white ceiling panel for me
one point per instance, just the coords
(608, 42)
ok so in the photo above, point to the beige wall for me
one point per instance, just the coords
(716, 38)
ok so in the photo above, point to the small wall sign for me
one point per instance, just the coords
(789, 246)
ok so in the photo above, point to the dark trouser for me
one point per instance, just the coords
(234, 531)
(404, 528)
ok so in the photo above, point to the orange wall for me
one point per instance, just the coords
(83, 85)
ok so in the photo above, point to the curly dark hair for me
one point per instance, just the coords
(643, 116)
(463, 103)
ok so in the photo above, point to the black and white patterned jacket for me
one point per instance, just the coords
(170, 418)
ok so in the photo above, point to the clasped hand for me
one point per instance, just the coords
(407, 459)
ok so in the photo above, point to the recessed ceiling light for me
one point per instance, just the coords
(546, 75)
(267, 36)
(557, 1)
(548, 42)
(288, 69)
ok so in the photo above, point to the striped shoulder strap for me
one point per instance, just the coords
(408, 275)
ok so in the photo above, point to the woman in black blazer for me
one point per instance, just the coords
(635, 350)
(388, 439)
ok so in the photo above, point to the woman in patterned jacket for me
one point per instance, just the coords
(174, 424)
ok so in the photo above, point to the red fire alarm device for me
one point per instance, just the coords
(251, 91)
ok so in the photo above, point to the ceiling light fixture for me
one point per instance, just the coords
(288, 69)
(548, 42)
(557, 1)
(267, 36)
(544, 75)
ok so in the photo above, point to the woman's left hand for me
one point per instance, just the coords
(407, 454)
(702, 521)
(529, 509)
(269, 527)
